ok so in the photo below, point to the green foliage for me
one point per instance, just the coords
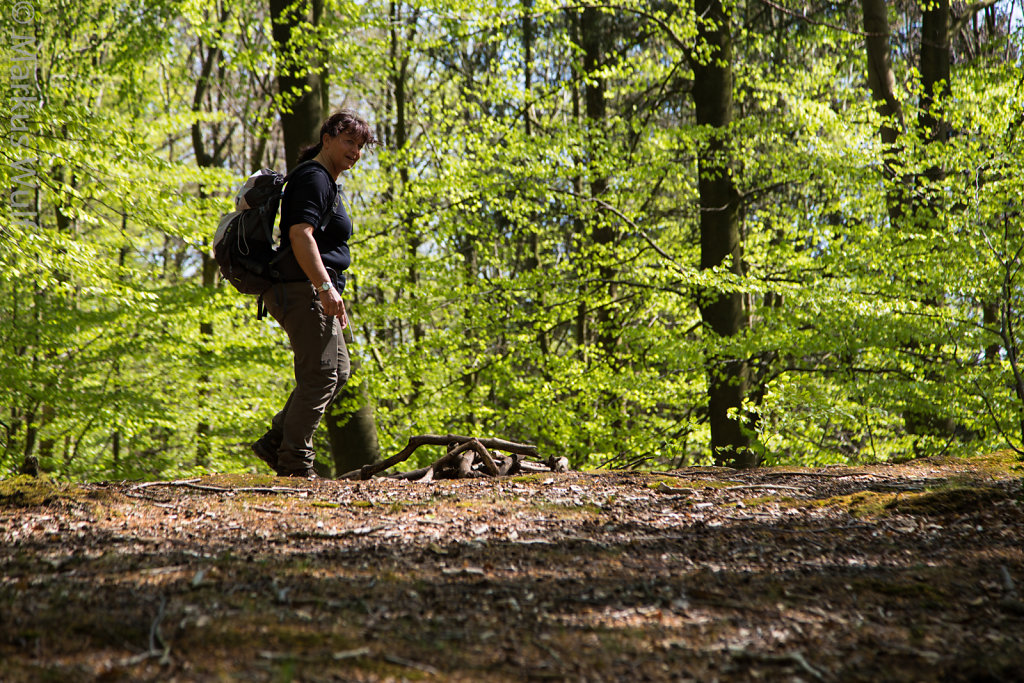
(519, 269)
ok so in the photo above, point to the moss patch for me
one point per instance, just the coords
(27, 491)
(861, 504)
(997, 465)
(537, 478)
(244, 480)
(958, 500)
(567, 510)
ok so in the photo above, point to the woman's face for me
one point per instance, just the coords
(344, 149)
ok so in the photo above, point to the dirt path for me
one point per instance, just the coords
(898, 573)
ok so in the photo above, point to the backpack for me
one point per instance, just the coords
(245, 243)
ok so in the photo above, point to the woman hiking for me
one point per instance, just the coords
(309, 306)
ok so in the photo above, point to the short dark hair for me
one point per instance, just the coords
(343, 120)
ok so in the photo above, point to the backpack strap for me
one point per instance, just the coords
(331, 207)
(333, 204)
(261, 308)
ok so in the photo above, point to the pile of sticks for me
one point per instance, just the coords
(466, 457)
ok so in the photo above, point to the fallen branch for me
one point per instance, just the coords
(486, 455)
(330, 535)
(510, 466)
(177, 482)
(457, 446)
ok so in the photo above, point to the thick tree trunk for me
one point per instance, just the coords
(351, 425)
(724, 314)
(299, 77)
(882, 84)
(881, 80)
(936, 57)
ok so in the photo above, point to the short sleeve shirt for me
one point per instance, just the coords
(307, 195)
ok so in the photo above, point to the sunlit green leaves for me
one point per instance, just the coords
(481, 300)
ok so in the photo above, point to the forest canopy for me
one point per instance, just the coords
(632, 233)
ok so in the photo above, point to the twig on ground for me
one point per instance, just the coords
(1008, 585)
(258, 508)
(360, 531)
(701, 473)
(761, 486)
(662, 487)
(155, 637)
(157, 646)
(310, 659)
(824, 475)
(191, 484)
(177, 482)
(789, 657)
(152, 499)
(409, 664)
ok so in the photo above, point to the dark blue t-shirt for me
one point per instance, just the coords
(308, 193)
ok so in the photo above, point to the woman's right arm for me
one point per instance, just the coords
(306, 253)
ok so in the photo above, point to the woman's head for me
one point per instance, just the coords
(346, 121)
(342, 121)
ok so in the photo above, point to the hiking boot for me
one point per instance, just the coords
(301, 473)
(266, 450)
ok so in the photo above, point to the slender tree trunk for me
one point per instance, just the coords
(205, 159)
(593, 37)
(532, 261)
(400, 69)
(724, 314)
(582, 327)
(904, 204)
(930, 211)
(204, 429)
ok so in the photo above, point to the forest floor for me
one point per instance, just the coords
(911, 572)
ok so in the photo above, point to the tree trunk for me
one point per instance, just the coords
(881, 80)
(582, 328)
(935, 66)
(904, 204)
(532, 242)
(300, 75)
(882, 84)
(593, 36)
(724, 314)
(351, 426)
(205, 159)
(935, 59)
